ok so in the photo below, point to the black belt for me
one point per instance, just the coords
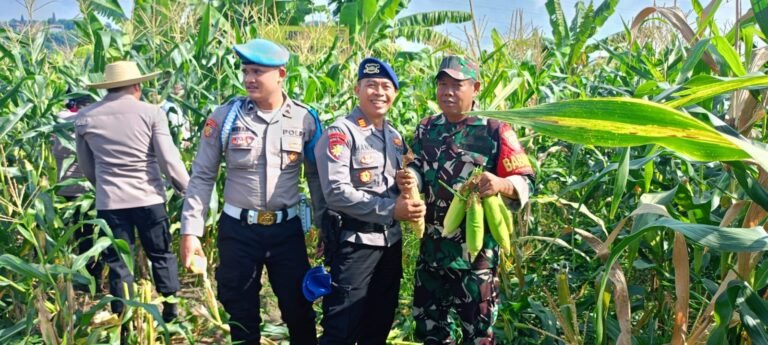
(353, 224)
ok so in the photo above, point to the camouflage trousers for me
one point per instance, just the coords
(471, 294)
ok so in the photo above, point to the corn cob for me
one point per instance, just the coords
(413, 194)
(474, 226)
(455, 216)
(494, 208)
(508, 221)
(200, 266)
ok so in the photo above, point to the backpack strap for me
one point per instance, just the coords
(310, 147)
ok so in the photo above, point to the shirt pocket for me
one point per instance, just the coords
(365, 168)
(291, 152)
(240, 151)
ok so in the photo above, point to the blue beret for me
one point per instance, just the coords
(375, 68)
(262, 52)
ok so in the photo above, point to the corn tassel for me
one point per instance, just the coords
(494, 208)
(474, 226)
(454, 217)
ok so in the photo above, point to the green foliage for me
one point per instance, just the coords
(629, 150)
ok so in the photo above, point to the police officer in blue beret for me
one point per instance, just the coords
(357, 159)
(264, 138)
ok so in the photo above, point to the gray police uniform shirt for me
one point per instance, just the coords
(61, 153)
(263, 159)
(357, 165)
(123, 145)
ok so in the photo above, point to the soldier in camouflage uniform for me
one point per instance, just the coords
(448, 147)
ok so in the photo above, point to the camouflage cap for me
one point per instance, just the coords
(459, 68)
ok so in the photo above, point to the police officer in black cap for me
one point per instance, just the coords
(357, 159)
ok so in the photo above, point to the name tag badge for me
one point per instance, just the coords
(292, 143)
(240, 141)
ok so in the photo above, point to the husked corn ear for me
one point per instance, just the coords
(454, 217)
(416, 226)
(493, 207)
(474, 225)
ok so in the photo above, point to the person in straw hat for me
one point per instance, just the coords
(123, 148)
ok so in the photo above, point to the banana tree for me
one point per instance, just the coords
(373, 23)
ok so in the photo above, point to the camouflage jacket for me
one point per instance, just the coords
(449, 152)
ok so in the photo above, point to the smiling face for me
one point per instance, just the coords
(455, 96)
(375, 96)
(262, 82)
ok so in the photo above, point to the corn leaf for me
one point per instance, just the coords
(731, 57)
(760, 8)
(714, 88)
(620, 183)
(622, 122)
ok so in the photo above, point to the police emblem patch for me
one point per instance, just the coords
(366, 158)
(210, 126)
(365, 176)
(293, 156)
(336, 143)
(397, 142)
(371, 68)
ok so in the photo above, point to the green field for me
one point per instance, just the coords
(648, 222)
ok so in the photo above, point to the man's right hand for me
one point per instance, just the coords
(407, 209)
(405, 180)
(190, 246)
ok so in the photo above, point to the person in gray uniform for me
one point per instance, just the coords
(357, 159)
(264, 138)
(69, 170)
(123, 148)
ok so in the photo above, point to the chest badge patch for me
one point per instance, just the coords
(293, 156)
(365, 176)
(397, 142)
(366, 159)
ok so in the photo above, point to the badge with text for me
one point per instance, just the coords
(512, 157)
(242, 140)
(210, 127)
(336, 143)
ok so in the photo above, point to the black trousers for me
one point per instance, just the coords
(244, 251)
(152, 225)
(84, 239)
(362, 305)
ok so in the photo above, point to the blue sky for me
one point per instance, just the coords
(496, 13)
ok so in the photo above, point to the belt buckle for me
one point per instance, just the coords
(266, 218)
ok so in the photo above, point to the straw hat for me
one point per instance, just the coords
(122, 73)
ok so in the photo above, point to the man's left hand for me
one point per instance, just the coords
(491, 184)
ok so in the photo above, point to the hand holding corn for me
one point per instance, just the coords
(190, 247)
(406, 182)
